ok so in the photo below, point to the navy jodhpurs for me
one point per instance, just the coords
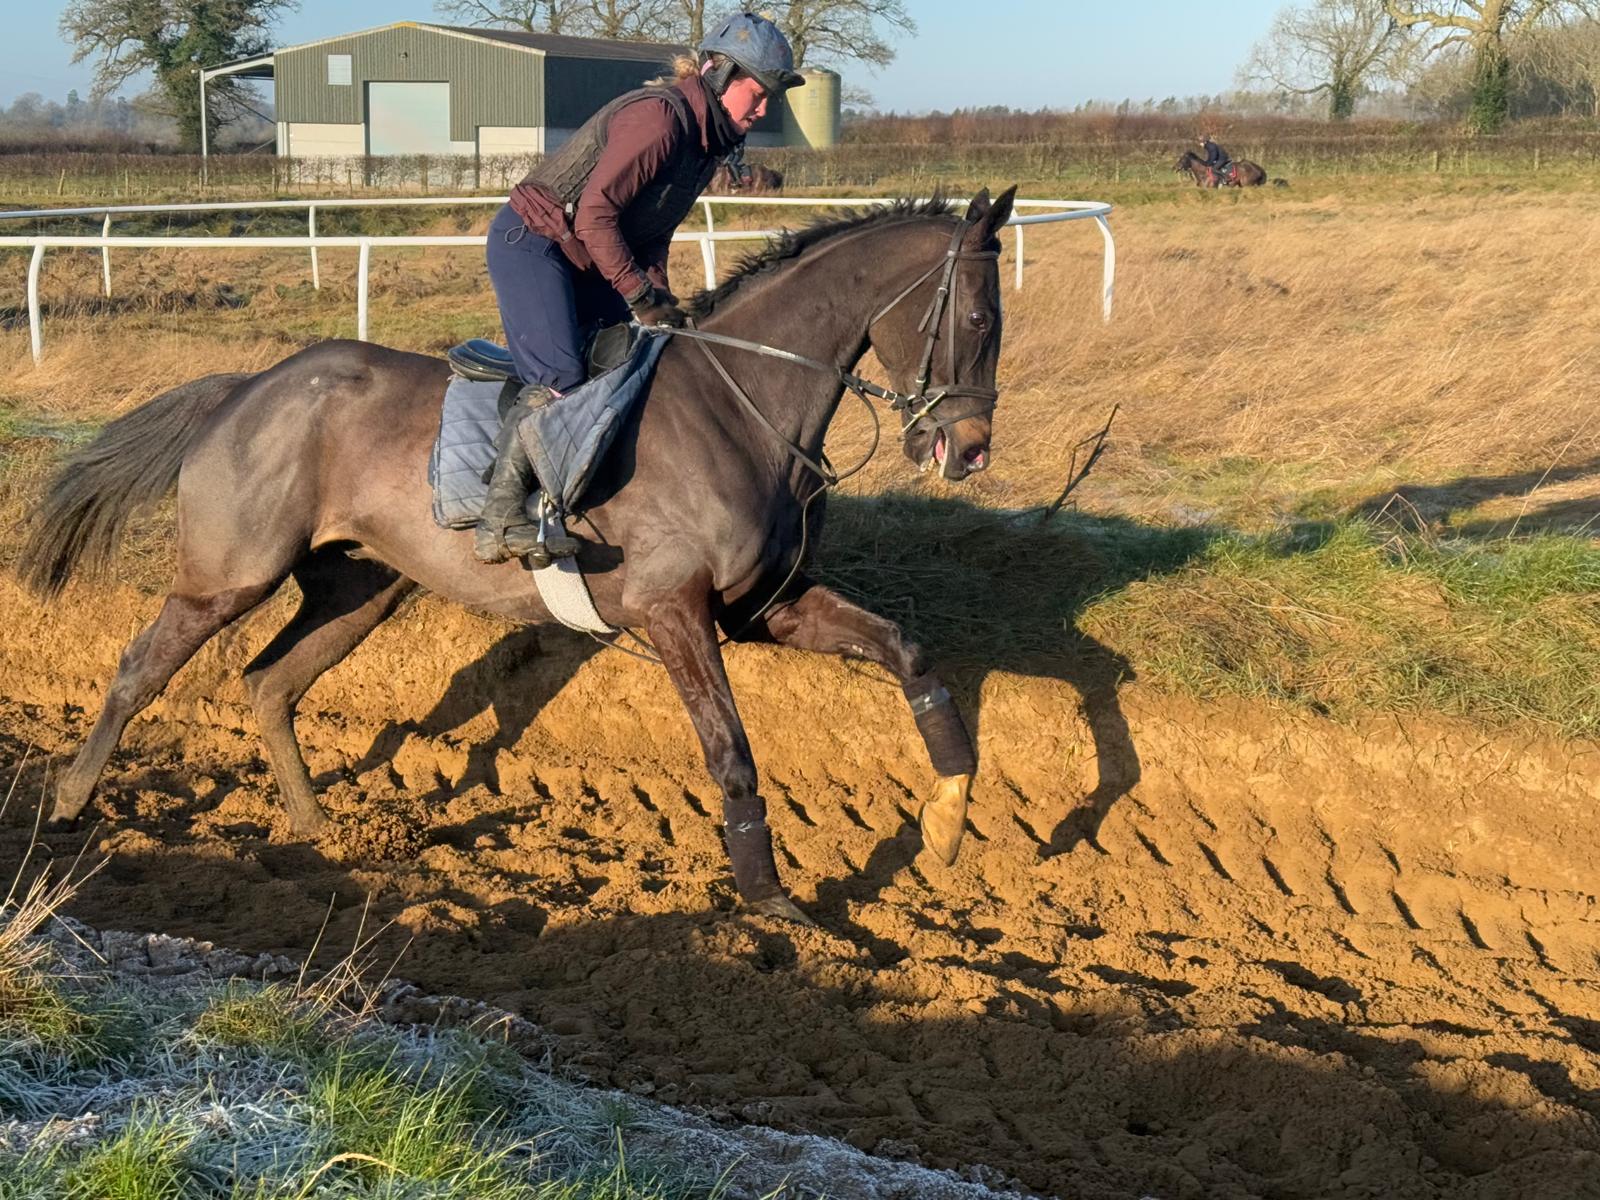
(548, 307)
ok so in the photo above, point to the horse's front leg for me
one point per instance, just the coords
(824, 621)
(684, 634)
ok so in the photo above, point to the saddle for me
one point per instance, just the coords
(566, 439)
(483, 361)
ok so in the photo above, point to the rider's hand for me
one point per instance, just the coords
(657, 306)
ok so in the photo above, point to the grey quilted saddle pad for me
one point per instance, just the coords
(566, 439)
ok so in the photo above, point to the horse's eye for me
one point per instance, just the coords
(977, 320)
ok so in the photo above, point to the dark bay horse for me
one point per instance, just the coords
(314, 470)
(1245, 173)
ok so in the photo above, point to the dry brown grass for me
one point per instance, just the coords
(1267, 348)
(1341, 342)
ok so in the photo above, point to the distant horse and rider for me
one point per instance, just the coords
(736, 177)
(1215, 167)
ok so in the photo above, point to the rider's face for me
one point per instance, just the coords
(746, 102)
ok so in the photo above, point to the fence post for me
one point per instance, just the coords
(311, 226)
(361, 290)
(35, 317)
(1019, 256)
(105, 254)
(711, 255)
(708, 254)
(1110, 276)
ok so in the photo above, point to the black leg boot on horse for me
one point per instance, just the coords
(505, 530)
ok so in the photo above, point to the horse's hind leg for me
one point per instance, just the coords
(342, 601)
(186, 622)
(824, 621)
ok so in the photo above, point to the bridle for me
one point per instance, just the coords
(924, 403)
(919, 405)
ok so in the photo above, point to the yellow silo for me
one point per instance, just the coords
(811, 113)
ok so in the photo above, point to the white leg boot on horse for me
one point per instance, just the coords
(824, 621)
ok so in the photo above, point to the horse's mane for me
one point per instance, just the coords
(792, 243)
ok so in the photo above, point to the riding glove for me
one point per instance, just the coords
(657, 306)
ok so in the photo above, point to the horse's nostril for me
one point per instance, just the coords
(976, 458)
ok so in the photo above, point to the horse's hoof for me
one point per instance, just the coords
(64, 818)
(781, 907)
(944, 817)
(310, 829)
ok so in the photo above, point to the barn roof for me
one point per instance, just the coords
(559, 46)
(549, 44)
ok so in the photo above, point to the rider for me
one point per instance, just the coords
(584, 238)
(1217, 159)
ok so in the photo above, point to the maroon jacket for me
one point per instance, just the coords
(644, 142)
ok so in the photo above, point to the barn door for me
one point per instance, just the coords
(408, 118)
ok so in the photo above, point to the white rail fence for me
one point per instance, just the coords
(1057, 211)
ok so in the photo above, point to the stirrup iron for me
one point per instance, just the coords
(554, 540)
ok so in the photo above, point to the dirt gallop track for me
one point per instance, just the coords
(1190, 951)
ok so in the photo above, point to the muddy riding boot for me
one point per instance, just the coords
(504, 528)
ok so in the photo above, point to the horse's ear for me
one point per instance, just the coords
(992, 217)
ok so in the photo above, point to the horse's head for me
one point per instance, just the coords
(940, 342)
(1184, 163)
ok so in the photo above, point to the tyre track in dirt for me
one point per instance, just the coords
(1291, 959)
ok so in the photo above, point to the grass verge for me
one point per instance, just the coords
(272, 1092)
(1349, 618)
(1345, 617)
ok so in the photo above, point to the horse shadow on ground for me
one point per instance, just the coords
(500, 680)
(987, 591)
(1448, 507)
(983, 591)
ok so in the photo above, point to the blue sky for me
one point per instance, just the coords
(1024, 53)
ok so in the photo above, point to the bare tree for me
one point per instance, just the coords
(1327, 47)
(832, 31)
(688, 21)
(172, 39)
(530, 16)
(1485, 27)
(626, 20)
(1568, 57)
(820, 31)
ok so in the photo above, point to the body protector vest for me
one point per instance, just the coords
(663, 203)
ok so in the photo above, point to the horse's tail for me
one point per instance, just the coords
(133, 463)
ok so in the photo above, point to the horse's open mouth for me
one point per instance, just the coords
(975, 459)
